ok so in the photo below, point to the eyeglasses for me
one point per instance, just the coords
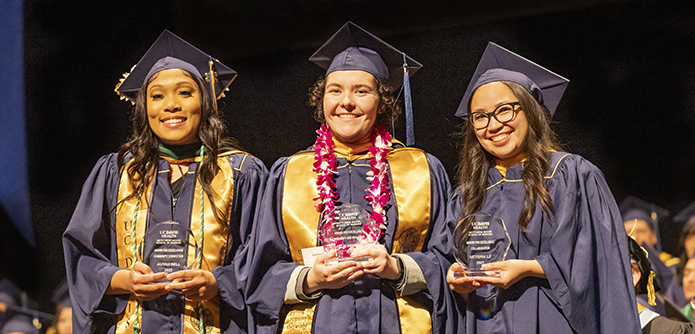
(503, 114)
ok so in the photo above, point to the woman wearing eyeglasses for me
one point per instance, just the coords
(567, 265)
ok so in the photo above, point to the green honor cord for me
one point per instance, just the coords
(199, 259)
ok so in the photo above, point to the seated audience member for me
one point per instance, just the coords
(686, 249)
(62, 322)
(641, 220)
(12, 320)
(643, 278)
(689, 288)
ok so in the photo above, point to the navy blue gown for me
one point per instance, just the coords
(91, 252)
(368, 304)
(582, 249)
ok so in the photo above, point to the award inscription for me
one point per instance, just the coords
(344, 233)
(166, 247)
(479, 239)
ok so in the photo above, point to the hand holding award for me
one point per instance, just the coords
(480, 238)
(346, 231)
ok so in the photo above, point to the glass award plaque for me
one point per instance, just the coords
(166, 247)
(480, 238)
(344, 233)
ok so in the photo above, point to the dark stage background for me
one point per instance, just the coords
(629, 107)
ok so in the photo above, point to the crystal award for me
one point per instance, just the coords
(480, 238)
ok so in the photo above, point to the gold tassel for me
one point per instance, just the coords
(651, 294)
(213, 77)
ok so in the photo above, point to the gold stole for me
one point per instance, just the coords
(411, 183)
(213, 250)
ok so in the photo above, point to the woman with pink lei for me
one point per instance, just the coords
(350, 236)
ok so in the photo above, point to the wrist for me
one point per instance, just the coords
(401, 269)
(120, 283)
(534, 269)
(309, 285)
(396, 268)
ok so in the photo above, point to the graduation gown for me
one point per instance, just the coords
(582, 249)
(369, 304)
(92, 251)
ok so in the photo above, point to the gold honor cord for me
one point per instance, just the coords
(410, 174)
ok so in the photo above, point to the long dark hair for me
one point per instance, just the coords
(474, 161)
(388, 110)
(688, 229)
(144, 144)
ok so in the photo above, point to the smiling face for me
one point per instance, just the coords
(173, 107)
(350, 105)
(506, 141)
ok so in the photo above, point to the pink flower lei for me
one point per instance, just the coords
(378, 191)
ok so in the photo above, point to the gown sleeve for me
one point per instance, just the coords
(271, 263)
(456, 322)
(588, 264)
(436, 255)
(249, 181)
(90, 254)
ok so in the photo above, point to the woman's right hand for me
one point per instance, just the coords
(334, 276)
(139, 281)
(462, 285)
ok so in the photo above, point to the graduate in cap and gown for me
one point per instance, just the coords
(686, 249)
(62, 321)
(641, 220)
(18, 313)
(688, 284)
(151, 245)
(392, 281)
(645, 284)
(567, 268)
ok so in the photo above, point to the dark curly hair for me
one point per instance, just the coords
(144, 144)
(474, 161)
(388, 110)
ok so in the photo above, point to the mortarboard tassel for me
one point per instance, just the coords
(651, 294)
(409, 133)
(212, 75)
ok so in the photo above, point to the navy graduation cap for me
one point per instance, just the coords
(61, 296)
(353, 48)
(170, 51)
(634, 208)
(500, 64)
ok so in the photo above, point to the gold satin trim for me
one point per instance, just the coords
(546, 177)
(300, 319)
(410, 175)
(124, 239)
(415, 319)
(214, 247)
(299, 214)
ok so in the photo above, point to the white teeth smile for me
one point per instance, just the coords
(174, 121)
(347, 116)
(499, 137)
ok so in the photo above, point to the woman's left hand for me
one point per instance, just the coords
(381, 263)
(510, 272)
(196, 284)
